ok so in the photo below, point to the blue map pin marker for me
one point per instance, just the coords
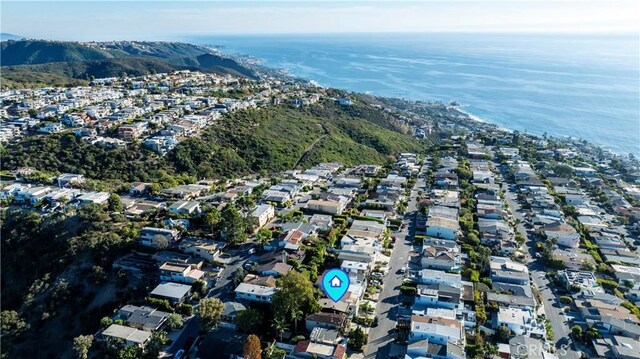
(335, 282)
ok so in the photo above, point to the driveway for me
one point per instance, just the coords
(381, 337)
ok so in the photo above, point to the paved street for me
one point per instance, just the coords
(223, 290)
(381, 337)
(550, 300)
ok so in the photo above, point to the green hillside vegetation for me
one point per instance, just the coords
(249, 141)
(37, 62)
(31, 52)
(64, 72)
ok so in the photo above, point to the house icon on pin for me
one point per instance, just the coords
(336, 282)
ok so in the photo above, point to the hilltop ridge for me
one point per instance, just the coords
(44, 62)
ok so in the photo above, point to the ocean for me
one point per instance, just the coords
(582, 86)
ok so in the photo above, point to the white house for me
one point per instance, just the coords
(130, 336)
(254, 293)
(262, 214)
(518, 320)
(563, 233)
(436, 330)
(185, 207)
(181, 273)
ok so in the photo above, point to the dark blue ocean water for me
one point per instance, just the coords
(566, 85)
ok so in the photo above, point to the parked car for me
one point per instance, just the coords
(375, 322)
(252, 250)
(179, 354)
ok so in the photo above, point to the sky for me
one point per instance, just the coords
(167, 20)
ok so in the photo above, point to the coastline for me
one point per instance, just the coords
(535, 101)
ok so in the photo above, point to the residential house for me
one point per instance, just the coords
(424, 349)
(627, 276)
(328, 206)
(321, 221)
(441, 258)
(175, 293)
(442, 228)
(230, 313)
(138, 188)
(128, 336)
(254, 293)
(505, 270)
(438, 296)
(181, 273)
(262, 214)
(437, 330)
(337, 321)
(430, 276)
(185, 207)
(520, 321)
(206, 249)
(149, 236)
(307, 349)
(142, 317)
(94, 197)
(68, 179)
(563, 233)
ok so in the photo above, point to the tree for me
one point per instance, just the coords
(209, 312)
(357, 339)
(279, 324)
(174, 321)
(211, 217)
(114, 204)
(11, 321)
(155, 345)
(296, 314)
(296, 294)
(233, 225)
(271, 352)
(200, 286)
(593, 333)
(81, 345)
(252, 348)
(130, 352)
(503, 333)
(154, 188)
(249, 320)
(105, 322)
(576, 330)
(159, 241)
(264, 236)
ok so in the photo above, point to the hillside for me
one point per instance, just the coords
(39, 62)
(250, 141)
(4, 36)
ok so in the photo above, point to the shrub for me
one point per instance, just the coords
(185, 309)
(163, 304)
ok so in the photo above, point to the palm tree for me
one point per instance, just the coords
(280, 325)
(296, 314)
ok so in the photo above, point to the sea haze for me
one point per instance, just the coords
(583, 86)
